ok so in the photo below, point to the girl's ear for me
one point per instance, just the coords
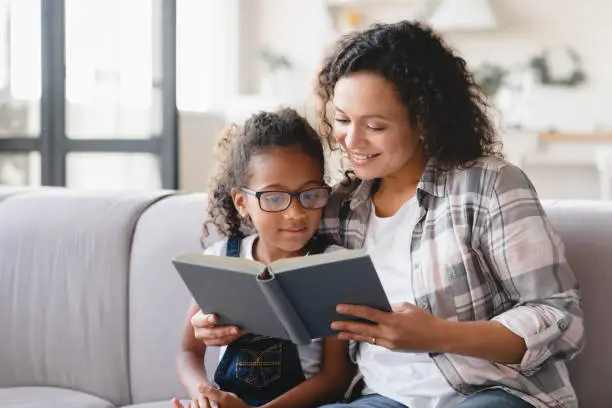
(239, 199)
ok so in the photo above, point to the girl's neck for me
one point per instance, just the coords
(266, 254)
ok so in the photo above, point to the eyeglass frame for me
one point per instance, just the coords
(258, 194)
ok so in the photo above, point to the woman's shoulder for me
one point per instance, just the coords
(341, 193)
(488, 164)
(485, 176)
(345, 188)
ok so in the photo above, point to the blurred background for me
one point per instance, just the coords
(131, 94)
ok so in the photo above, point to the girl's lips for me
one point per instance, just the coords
(294, 229)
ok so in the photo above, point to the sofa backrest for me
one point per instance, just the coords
(586, 230)
(64, 264)
(89, 299)
(158, 297)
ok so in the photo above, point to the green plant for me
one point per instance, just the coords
(490, 77)
(275, 61)
(539, 64)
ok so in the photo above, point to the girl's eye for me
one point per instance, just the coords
(309, 195)
(341, 120)
(375, 128)
(274, 198)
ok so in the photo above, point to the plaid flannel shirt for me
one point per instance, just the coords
(483, 249)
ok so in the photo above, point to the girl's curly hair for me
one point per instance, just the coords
(235, 148)
(433, 83)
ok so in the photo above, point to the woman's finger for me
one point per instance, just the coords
(361, 329)
(364, 312)
(176, 403)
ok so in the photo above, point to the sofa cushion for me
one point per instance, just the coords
(586, 230)
(6, 192)
(47, 397)
(158, 297)
(158, 404)
(63, 290)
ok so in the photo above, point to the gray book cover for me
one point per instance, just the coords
(296, 300)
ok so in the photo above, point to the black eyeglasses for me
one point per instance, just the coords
(276, 201)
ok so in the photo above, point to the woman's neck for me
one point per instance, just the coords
(399, 187)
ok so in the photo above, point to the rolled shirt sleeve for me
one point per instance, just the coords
(520, 245)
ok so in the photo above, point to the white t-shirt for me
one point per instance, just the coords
(410, 378)
(310, 355)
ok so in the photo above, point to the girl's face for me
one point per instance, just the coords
(282, 233)
(373, 126)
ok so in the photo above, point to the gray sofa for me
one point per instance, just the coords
(90, 306)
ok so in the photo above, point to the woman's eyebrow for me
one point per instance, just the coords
(368, 116)
(375, 116)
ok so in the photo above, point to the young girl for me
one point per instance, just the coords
(268, 180)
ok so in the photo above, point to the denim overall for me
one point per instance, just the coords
(257, 368)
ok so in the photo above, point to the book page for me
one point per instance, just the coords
(315, 288)
(223, 262)
(234, 296)
(285, 265)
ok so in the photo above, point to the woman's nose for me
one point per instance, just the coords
(353, 138)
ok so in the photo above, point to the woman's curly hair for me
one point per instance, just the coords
(235, 148)
(434, 84)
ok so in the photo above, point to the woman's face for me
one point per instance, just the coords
(373, 126)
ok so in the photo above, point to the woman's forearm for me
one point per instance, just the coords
(191, 371)
(487, 340)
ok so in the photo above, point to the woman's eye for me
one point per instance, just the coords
(376, 128)
(341, 120)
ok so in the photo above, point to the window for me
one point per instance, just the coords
(87, 93)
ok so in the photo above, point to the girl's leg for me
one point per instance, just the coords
(493, 398)
(369, 401)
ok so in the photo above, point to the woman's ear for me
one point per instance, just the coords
(239, 199)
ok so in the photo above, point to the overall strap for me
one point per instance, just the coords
(233, 246)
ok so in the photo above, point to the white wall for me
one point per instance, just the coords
(530, 26)
(301, 29)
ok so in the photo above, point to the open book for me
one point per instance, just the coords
(293, 299)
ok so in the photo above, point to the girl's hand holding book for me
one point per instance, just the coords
(204, 329)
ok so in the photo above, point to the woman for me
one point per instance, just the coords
(486, 308)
